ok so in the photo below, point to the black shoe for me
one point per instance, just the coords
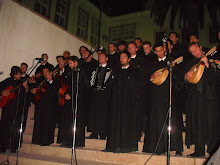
(160, 153)
(93, 136)
(195, 154)
(178, 153)
(102, 137)
(13, 150)
(68, 146)
(2, 150)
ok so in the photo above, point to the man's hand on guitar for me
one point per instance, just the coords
(205, 60)
(25, 84)
(89, 58)
(67, 97)
(5, 93)
(155, 75)
(32, 79)
(34, 90)
(61, 67)
(188, 75)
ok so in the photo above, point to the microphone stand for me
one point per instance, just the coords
(74, 115)
(169, 112)
(21, 125)
(170, 115)
(22, 118)
(170, 101)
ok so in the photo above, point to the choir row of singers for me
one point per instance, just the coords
(116, 98)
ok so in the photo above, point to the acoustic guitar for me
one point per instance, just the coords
(62, 94)
(198, 69)
(164, 72)
(5, 100)
(32, 79)
(41, 89)
(62, 91)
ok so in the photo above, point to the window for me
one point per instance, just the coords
(43, 7)
(116, 33)
(160, 36)
(213, 33)
(61, 14)
(82, 25)
(94, 31)
(129, 32)
(123, 32)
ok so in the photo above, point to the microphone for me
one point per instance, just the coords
(40, 59)
(164, 39)
(76, 68)
(1, 73)
(98, 47)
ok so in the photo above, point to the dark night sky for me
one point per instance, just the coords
(120, 7)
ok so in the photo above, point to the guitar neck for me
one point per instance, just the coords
(178, 59)
(41, 83)
(210, 52)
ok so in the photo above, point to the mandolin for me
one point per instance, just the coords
(198, 69)
(164, 72)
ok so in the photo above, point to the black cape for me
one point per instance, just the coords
(201, 110)
(88, 68)
(144, 67)
(65, 133)
(100, 102)
(12, 113)
(114, 61)
(45, 118)
(122, 130)
(158, 108)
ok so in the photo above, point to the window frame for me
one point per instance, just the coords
(92, 34)
(48, 7)
(87, 23)
(122, 33)
(66, 17)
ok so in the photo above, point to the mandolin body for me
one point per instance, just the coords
(162, 76)
(197, 73)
